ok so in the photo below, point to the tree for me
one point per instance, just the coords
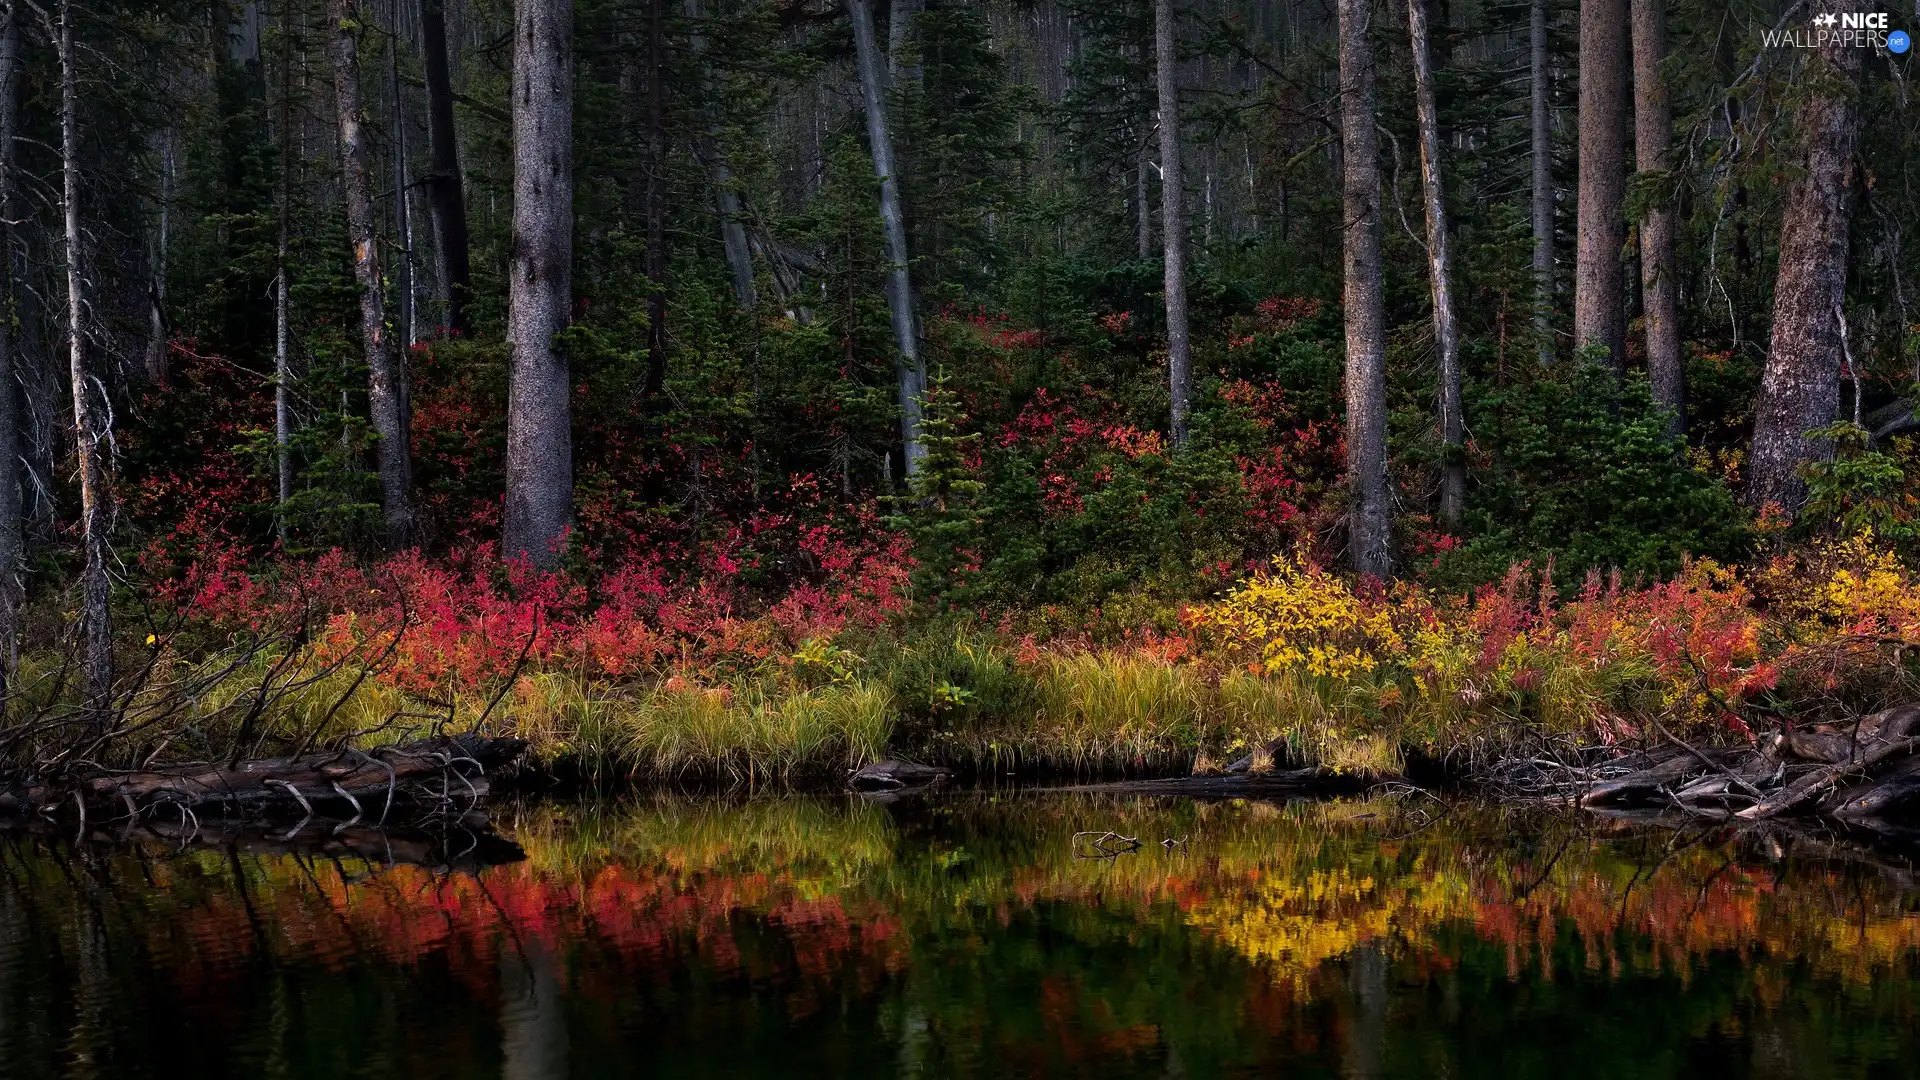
(1368, 513)
(446, 201)
(88, 433)
(12, 535)
(282, 305)
(1599, 284)
(1659, 277)
(386, 378)
(942, 514)
(911, 371)
(1800, 386)
(733, 228)
(539, 507)
(1173, 220)
(1541, 130)
(1446, 332)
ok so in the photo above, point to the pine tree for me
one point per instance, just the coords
(942, 513)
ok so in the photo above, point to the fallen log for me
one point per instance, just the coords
(1819, 782)
(365, 782)
(894, 775)
(1641, 785)
(1887, 791)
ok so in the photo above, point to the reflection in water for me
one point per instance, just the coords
(533, 1019)
(828, 937)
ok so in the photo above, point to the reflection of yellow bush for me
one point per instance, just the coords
(1298, 617)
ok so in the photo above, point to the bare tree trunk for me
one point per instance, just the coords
(402, 219)
(157, 289)
(282, 310)
(95, 613)
(1542, 185)
(540, 285)
(386, 392)
(1599, 281)
(1446, 332)
(733, 225)
(445, 201)
(656, 205)
(911, 370)
(1800, 388)
(1173, 221)
(1369, 515)
(1659, 277)
(12, 530)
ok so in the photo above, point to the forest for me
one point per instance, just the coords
(746, 390)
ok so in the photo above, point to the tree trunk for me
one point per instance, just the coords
(386, 393)
(402, 218)
(95, 614)
(733, 225)
(282, 309)
(910, 369)
(447, 205)
(12, 532)
(1542, 186)
(1366, 378)
(1599, 281)
(157, 288)
(656, 206)
(1173, 221)
(1446, 332)
(540, 286)
(1800, 387)
(1659, 277)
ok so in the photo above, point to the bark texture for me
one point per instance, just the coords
(1599, 280)
(1542, 131)
(386, 390)
(1446, 330)
(1652, 142)
(446, 203)
(12, 533)
(1366, 383)
(95, 615)
(1173, 221)
(403, 319)
(539, 506)
(282, 312)
(1800, 387)
(910, 370)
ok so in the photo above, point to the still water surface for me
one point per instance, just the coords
(964, 937)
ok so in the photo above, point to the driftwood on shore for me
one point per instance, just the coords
(347, 784)
(1860, 772)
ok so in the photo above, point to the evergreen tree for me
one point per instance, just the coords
(942, 511)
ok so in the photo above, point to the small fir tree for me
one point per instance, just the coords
(941, 512)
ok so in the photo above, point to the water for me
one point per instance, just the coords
(963, 937)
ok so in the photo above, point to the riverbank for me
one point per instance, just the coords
(613, 684)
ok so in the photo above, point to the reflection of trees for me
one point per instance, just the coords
(533, 1020)
(969, 923)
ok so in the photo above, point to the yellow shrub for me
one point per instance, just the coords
(1298, 617)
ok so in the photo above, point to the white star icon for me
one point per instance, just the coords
(1825, 20)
